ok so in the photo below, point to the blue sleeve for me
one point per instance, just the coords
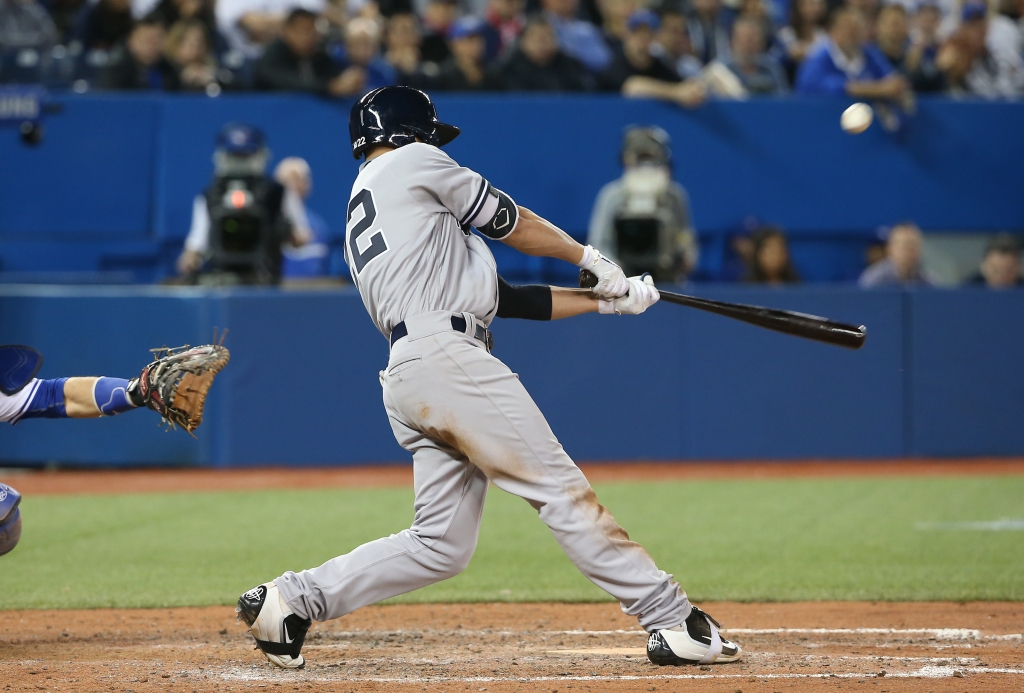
(817, 75)
(876, 65)
(380, 73)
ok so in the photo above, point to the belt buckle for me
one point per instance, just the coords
(485, 336)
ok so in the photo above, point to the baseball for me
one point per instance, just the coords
(857, 118)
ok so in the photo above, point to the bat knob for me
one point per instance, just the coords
(588, 280)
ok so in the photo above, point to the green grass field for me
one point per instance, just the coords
(758, 540)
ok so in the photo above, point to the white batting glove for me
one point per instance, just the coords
(611, 281)
(642, 295)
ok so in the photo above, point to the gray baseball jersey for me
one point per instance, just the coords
(408, 243)
(462, 413)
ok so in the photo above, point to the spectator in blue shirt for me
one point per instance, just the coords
(577, 38)
(843, 65)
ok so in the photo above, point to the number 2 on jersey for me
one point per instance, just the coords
(364, 199)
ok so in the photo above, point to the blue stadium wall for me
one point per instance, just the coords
(940, 375)
(110, 189)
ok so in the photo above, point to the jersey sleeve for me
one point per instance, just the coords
(460, 190)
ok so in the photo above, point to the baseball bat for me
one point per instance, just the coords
(784, 321)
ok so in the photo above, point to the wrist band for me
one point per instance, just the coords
(590, 256)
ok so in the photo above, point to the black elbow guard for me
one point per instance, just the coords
(505, 218)
(532, 302)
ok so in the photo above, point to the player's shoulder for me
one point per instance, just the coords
(422, 154)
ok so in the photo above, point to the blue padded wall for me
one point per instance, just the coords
(939, 376)
(91, 179)
(966, 385)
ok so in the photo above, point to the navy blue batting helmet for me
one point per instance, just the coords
(396, 116)
(239, 138)
(10, 518)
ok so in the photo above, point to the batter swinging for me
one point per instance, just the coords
(432, 289)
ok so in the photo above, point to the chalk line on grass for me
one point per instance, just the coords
(1003, 525)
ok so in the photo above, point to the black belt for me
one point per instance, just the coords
(458, 324)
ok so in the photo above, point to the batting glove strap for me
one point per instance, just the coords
(611, 281)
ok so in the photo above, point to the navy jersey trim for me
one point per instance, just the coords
(478, 204)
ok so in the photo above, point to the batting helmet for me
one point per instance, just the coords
(396, 116)
(10, 518)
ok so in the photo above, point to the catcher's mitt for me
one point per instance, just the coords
(176, 383)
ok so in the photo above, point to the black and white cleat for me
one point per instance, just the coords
(279, 633)
(695, 641)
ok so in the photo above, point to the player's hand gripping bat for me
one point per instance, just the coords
(785, 321)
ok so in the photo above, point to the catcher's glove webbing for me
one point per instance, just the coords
(176, 383)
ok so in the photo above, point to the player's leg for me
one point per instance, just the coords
(474, 402)
(450, 495)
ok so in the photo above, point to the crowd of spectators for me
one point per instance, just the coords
(680, 50)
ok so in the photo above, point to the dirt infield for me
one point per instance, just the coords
(826, 646)
(158, 480)
(556, 648)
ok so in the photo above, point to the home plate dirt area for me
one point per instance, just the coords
(813, 646)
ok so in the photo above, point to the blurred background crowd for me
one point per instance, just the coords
(676, 50)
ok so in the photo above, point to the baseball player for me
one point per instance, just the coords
(431, 288)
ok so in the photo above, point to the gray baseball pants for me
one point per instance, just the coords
(467, 420)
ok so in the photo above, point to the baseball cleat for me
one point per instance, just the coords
(279, 633)
(695, 641)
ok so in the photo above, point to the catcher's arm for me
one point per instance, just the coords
(175, 385)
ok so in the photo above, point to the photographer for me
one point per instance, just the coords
(642, 220)
(241, 221)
